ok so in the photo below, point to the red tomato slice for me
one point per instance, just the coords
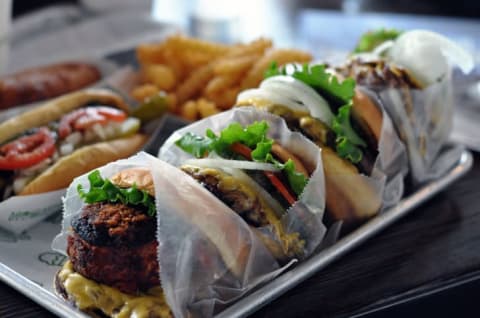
(28, 150)
(243, 150)
(85, 118)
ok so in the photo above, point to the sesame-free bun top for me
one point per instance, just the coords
(140, 177)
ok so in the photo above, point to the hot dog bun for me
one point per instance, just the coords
(54, 109)
(87, 158)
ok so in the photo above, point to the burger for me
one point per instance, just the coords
(340, 119)
(113, 251)
(257, 177)
(113, 269)
(410, 71)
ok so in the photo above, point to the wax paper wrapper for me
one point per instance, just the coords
(199, 294)
(21, 212)
(391, 164)
(424, 119)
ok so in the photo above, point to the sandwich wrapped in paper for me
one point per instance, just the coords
(410, 72)
(43, 149)
(208, 254)
(246, 188)
(363, 158)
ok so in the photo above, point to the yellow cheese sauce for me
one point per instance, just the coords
(89, 295)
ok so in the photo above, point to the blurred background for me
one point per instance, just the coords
(45, 31)
(55, 29)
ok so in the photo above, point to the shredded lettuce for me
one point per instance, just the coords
(348, 143)
(253, 136)
(370, 40)
(104, 190)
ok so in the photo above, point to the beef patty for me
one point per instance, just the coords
(115, 244)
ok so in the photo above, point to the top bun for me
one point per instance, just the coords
(140, 177)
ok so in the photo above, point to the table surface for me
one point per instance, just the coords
(429, 259)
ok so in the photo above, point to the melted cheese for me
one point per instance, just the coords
(89, 295)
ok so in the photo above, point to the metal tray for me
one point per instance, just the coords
(286, 281)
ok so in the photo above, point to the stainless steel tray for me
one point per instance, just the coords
(286, 281)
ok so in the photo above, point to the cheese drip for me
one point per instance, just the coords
(88, 295)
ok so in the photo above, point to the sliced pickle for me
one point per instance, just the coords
(152, 108)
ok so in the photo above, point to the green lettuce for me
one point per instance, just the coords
(253, 136)
(103, 190)
(347, 142)
(370, 40)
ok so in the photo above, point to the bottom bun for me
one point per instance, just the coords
(83, 160)
(100, 300)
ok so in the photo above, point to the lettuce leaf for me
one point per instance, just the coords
(253, 136)
(296, 179)
(348, 144)
(104, 190)
(370, 40)
(317, 77)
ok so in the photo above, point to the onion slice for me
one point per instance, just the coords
(295, 89)
(261, 95)
(236, 164)
(426, 54)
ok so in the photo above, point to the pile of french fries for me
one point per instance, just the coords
(203, 78)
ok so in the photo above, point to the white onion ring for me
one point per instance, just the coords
(236, 164)
(258, 94)
(297, 90)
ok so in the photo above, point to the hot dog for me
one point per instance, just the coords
(44, 149)
(40, 83)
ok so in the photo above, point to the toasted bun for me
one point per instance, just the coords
(140, 177)
(107, 301)
(368, 116)
(53, 110)
(347, 201)
(83, 160)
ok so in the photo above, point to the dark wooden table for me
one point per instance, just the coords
(427, 264)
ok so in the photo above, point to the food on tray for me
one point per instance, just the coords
(203, 78)
(410, 73)
(44, 82)
(343, 121)
(254, 175)
(45, 148)
(112, 247)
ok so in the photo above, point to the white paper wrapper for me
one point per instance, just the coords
(19, 213)
(391, 164)
(424, 128)
(194, 291)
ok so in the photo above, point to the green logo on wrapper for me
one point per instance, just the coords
(52, 258)
(17, 216)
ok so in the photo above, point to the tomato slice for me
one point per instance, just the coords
(246, 152)
(82, 119)
(28, 150)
